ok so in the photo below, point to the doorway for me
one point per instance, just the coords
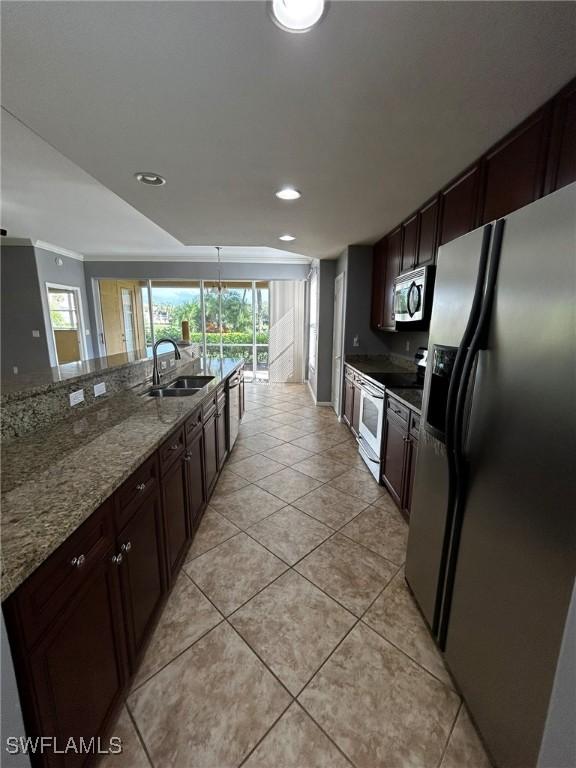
(122, 316)
(66, 322)
(337, 342)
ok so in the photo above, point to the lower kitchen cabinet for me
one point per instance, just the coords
(176, 517)
(68, 640)
(221, 420)
(356, 410)
(399, 449)
(140, 560)
(195, 475)
(352, 401)
(210, 449)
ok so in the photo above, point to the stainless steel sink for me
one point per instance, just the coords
(190, 382)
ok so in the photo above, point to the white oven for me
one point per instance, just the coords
(370, 426)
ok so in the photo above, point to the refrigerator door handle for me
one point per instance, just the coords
(479, 342)
(453, 388)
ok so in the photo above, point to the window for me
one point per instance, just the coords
(63, 309)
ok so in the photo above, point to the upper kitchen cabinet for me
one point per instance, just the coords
(428, 233)
(393, 264)
(514, 168)
(561, 168)
(410, 243)
(378, 283)
(459, 205)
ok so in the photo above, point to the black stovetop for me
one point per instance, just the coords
(402, 380)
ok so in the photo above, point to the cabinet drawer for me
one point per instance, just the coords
(193, 423)
(399, 410)
(208, 409)
(135, 489)
(414, 424)
(171, 449)
(42, 596)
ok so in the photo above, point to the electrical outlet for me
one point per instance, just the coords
(14, 369)
(99, 389)
(356, 341)
(36, 334)
(172, 362)
(77, 397)
(407, 346)
(163, 365)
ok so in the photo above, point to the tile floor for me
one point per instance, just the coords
(290, 639)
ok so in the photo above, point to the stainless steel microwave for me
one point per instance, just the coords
(413, 296)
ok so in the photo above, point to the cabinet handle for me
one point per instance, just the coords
(78, 562)
(126, 547)
(187, 457)
(175, 447)
(117, 559)
(141, 487)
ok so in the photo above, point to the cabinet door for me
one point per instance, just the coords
(394, 454)
(459, 205)
(211, 452)
(356, 410)
(223, 438)
(78, 669)
(378, 284)
(409, 243)
(195, 467)
(562, 156)
(176, 517)
(428, 232)
(142, 571)
(393, 263)
(515, 168)
(348, 402)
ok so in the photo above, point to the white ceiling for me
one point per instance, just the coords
(367, 114)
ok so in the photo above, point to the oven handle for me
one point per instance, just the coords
(372, 393)
(362, 445)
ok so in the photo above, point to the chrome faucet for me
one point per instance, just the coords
(155, 371)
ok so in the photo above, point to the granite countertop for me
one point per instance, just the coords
(379, 364)
(55, 478)
(410, 397)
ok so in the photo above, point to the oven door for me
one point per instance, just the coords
(371, 418)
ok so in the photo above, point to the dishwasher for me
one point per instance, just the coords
(234, 407)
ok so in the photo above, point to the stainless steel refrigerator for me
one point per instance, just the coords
(492, 545)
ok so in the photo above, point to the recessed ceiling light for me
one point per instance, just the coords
(150, 178)
(288, 193)
(297, 15)
(287, 238)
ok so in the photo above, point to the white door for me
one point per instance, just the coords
(337, 342)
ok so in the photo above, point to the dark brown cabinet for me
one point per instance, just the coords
(561, 166)
(378, 284)
(400, 446)
(459, 206)
(393, 264)
(195, 470)
(210, 448)
(348, 401)
(514, 168)
(410, 243)
(71, 673)
(140, 560)
(352, 399)
(428, 233)
(221, 420)
(356, 409)
(176, 518)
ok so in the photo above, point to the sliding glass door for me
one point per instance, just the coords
(227, 320)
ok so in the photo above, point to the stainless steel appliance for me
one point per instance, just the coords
(234, 407)
(492, 544)
(370, 427)
(412, 296)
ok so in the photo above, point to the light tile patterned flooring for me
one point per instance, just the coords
(290, 639)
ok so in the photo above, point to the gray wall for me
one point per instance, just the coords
(358, 301)
(70, 273)
(21, 312)
(327, 275)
